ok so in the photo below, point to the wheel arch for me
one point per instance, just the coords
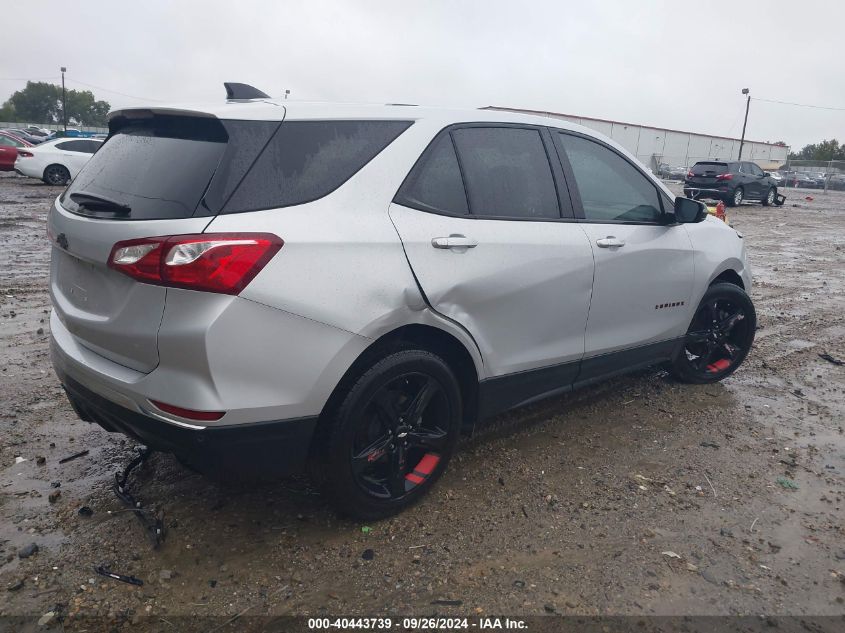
(419, 336)
(728, 276)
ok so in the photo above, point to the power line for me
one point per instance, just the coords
(801, 105)
(122, 94)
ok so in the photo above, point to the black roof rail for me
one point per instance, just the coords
(243, 91)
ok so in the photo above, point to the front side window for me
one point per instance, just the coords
(507, 172)
(435, 183)
(612, 190)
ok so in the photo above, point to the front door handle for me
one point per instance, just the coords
(610, 242)
(454, 242)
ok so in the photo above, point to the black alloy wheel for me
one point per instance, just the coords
(394, 434)
(719, 337)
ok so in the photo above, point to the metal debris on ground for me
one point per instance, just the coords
(127, 579)
(154, 527)
(70, 458)
(831, 359)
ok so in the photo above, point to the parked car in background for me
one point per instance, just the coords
(252, 286)
(837, 182)
(29, 138)
(58, 161)
(818, 179)
(672, 173)
(730, 181)
(777, 177)
(800, 179)
(9, 146)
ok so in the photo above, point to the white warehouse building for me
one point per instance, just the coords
(654, 145)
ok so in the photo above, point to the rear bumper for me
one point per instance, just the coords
(262, 449)
(692, 191)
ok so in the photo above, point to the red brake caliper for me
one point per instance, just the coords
(423, 469)
(719, 365)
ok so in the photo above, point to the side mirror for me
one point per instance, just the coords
(688, 211)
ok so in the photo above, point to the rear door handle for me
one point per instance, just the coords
(453, 242)
(609, 242)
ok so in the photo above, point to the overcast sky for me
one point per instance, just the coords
(676, 64)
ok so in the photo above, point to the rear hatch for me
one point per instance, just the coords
(152, 177)
(705, 174)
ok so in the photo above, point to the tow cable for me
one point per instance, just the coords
(153, 522)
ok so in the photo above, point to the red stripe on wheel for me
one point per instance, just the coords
(719, 365)
(414, 478)
(427, 463)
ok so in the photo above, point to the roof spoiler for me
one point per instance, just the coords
(243, 91)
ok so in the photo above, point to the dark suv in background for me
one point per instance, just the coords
(732, 181)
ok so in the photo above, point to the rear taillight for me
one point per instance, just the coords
(725, 177)
(690, 174)
(24, 154)
(210, 262)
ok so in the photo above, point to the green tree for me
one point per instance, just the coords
(41, 102)
(825, 150)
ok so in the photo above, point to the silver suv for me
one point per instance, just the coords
(255, 285)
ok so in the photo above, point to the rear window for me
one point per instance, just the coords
(170, 167)
(158, 167)
(706, 169)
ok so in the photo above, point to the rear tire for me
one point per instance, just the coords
(718, 338)
(769, 198)
(56, 175)
(736, 198)
(393, 434)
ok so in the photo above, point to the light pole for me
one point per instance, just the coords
(64, 99)
(744, 123)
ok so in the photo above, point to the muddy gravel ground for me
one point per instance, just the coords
(637, 497)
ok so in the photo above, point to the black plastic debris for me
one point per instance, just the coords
(110, 574)
(70, 458)
(831, 359)
(85, 511)
(27, 550)
(368, 554)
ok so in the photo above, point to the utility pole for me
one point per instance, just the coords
(64, 99)
(747, 104)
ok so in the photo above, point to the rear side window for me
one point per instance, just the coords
(507, 172)
(709, 169)
(74, 146)
(306, 160)
(611, 188)
(435, 183)
(158, 167)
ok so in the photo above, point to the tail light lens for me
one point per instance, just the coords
(725, 177)
(209, 262)
(24, 154)
(690, 174)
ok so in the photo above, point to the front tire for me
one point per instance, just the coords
(393, 434)
(719, 336)
(769, 199)
(56, 175)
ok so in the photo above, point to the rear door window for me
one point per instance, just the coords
(306, 160)
(507, 172)
(435, 183)
(72, 146)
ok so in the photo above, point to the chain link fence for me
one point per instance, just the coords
(815, 174)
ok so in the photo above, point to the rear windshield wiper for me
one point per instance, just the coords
(100, 203)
